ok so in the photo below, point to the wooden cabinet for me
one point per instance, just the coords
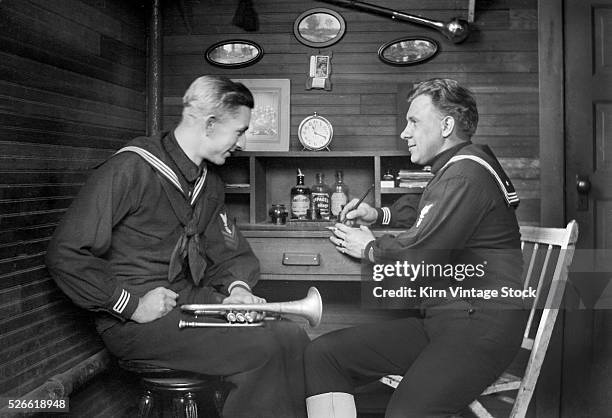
(256, 180)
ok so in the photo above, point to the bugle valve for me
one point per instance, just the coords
(309, 308)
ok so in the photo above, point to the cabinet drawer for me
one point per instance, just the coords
(303, 258)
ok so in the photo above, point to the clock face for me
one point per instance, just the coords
(315, 132)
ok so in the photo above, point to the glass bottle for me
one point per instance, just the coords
(300, 198)
(339, 196)
(319, 198)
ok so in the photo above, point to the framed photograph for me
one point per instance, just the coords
(235, 53)
(269, 127)
(320, 66)
(408, 51)
(319, 27)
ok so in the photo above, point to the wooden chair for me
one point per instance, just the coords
(181, 388)
(548, 253)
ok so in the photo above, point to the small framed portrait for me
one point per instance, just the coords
(408, 51)
(319, 27)
(234, 53)
(320, 66)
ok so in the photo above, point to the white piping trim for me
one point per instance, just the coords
(237, 283)
(510, 197)
(157, 163)
(199, 186)
(386, 220)
(122, 301)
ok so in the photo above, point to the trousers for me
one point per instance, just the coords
(264, 364)
(447, 357)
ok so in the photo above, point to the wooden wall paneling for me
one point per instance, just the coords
(26, 15)
(81, 63)
(116, 51)
(83, 14)
(71, 93)
(31, 73)
(29, 338)
(122, 117)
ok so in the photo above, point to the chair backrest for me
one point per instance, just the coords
(548, 253)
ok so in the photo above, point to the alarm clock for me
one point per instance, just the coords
(315, 133)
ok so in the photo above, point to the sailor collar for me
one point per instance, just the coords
(441, 159)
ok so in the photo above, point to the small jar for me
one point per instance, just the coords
(278, 214)
(388, 175)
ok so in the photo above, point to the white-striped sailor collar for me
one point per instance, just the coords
(167, 172)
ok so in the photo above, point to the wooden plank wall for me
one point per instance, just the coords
(72, 90)
(499, 62)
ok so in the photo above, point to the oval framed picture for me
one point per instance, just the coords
(408, 50)
(234, 53)
(319, 27)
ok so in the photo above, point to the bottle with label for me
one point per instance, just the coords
(339, 196)
(300, 198)
(319, 198)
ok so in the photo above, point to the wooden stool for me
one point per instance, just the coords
(181, 387)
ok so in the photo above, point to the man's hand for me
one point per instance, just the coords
(240, 295)
(351, 241)
(364, 214)
(154, 304)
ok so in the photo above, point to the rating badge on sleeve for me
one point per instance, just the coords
(229, 231)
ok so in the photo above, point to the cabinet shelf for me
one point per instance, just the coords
(238, 190)
(268, 177)
(401, 190)
(289, 226)
(323, 154)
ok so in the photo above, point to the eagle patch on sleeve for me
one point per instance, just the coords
(423, 213)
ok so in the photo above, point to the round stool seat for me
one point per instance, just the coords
(173, 384)
(177, 384)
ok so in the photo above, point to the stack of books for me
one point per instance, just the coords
(414, 178)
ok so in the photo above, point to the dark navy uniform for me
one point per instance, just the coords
(149, 217)
(456, 346)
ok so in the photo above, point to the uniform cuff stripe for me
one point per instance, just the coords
(122, 302)
(238, 283)
(371, 255)
(386, 220)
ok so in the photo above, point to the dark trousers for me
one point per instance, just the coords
(265, 363)
(447, 357)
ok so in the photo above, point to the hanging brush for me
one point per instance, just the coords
(246, 16)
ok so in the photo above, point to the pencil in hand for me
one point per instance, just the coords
(361, 199)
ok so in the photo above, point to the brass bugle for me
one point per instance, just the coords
(456, 30)
(309, 308)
